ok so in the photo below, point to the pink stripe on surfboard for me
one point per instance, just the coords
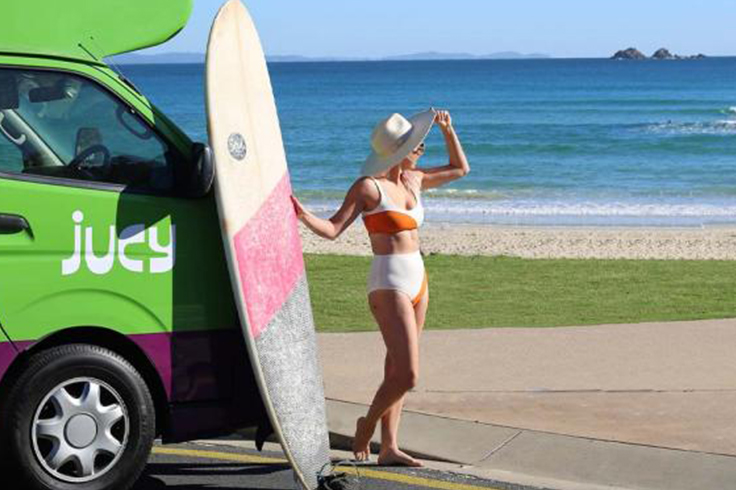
(269, 254)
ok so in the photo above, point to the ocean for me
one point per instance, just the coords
(550, 142)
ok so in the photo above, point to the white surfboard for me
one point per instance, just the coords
(262, 242)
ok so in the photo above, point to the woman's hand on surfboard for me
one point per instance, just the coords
(298, 207)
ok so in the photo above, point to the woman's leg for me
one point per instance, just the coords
(390, 452)
(396, 318)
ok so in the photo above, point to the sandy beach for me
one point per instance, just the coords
(710, 243)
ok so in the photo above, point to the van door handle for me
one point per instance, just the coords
(11, 223)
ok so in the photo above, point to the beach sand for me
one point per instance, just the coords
(712, 243)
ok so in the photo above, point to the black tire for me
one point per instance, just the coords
(95, 366)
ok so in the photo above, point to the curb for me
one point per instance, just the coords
(543, 460)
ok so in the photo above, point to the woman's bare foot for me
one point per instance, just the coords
(362, 439)
(396, 457)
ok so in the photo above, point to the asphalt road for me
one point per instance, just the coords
(199, 466)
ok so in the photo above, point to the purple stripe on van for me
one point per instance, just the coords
(158, 349)
(7, 356)
(193, 366)
(209, 368)
(199, 366)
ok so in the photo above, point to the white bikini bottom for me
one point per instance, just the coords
(399, 272)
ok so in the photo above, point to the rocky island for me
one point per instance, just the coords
(660, 54)
(629, 54)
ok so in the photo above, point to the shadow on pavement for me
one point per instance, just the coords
(151, 478)
(149, 483)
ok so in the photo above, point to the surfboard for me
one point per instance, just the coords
(262, 243)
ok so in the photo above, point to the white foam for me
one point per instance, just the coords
(485, 210)
(723, 127)
(531, 208)
(463, 193)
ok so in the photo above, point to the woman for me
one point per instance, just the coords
(388, 197)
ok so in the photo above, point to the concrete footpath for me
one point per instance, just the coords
(645, 406)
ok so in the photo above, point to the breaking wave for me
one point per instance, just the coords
(726, 127)
(666, 212)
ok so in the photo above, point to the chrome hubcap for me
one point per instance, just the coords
(80, 430)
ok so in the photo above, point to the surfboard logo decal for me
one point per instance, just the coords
(236, 146)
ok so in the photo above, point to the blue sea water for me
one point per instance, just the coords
(550, 142)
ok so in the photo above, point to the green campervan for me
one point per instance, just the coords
(117, 322)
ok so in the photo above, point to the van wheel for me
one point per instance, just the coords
(80, 417)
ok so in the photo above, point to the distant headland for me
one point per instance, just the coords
(198, 58)
(171, 58)
(660, 54)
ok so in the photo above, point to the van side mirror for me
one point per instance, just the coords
(202, 173)
(9, 96)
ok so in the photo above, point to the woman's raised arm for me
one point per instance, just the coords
(458, 166)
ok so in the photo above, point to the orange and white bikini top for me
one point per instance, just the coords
(389, 218)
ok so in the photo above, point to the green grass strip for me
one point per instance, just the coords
(482, 292)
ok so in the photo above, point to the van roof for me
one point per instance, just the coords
(89, 30)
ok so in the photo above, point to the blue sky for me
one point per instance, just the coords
(564, 28)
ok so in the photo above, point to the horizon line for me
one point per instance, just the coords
(388, 59)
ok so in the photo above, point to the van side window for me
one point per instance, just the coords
(11, 158)
(64, 126)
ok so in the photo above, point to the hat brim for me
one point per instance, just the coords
(421, 125)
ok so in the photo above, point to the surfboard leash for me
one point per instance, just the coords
(329, 478)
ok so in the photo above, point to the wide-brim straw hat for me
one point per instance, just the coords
(394, 138)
